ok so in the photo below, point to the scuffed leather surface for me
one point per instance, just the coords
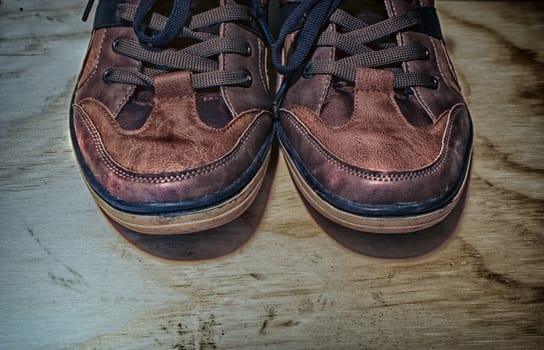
(360, 185)
(310, 92)
(382, 155)
(433, 101)
(173, 156)
(241, 99)
(168, 187)
(377, 137)
(173, 137)
(92, 58)
(101, 56)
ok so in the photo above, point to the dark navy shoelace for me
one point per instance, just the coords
(176, 20)
(364, 45)
(315, 14)
(156, 34)
(311, 16)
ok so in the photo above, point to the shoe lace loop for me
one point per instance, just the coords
(314, 14)
(200, 58)
(176, 20)
(364, 45)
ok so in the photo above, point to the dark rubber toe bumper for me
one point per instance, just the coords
(381, 202)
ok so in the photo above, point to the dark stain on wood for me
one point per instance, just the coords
(257, 276)
(270, 315)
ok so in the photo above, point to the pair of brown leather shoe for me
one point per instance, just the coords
(172, 123)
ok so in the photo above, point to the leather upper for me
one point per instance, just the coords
(376, 146)
(170, 153)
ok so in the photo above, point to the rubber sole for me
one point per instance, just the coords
(188, 222)
(388, 225)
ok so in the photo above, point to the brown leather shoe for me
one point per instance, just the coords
(170, 119)
(374, 127)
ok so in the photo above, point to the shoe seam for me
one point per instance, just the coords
(326, 84)
(260, 64)
(127, 174)
(437, 164)
(86, 101)
(438, 65)
(99, 56)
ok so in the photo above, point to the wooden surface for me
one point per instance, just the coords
(280, 277)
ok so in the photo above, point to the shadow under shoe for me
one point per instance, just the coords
(394, 246)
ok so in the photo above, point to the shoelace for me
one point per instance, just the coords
(195, 58)
(365, 45)
(314, 14)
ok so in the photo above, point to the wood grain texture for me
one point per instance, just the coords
(281, 276)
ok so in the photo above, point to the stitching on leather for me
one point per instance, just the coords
(444, 51)
(125, 173)
(444, 80)
(393, 8)
(223, 60)
(198, 120)
(356, 107)
(175, 97)
(439, 163)
(326, 85)
(144, 128)
(259, 64)
(436, 59)
(384, 91)
(264, 66)
(305, 109)
(450, 66)
(129, 91)
(418, 94)
(123, 102)
(95, 68)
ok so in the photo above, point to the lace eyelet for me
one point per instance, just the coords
(115, 44)
(106, 75)
(435, 82)
(427, 54)
(249, 51)
(248, 80)
(409, 91)
(306, 71)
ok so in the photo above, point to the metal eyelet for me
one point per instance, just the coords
(115, 44)
(408, 91)
(248, 80)
(106, 75)
(306, 71)
(249, 51)
(435, 82)
(427, 54)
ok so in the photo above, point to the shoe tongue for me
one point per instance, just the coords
(368, 11)
(198, 6)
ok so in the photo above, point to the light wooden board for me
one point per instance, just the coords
(280, 277)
